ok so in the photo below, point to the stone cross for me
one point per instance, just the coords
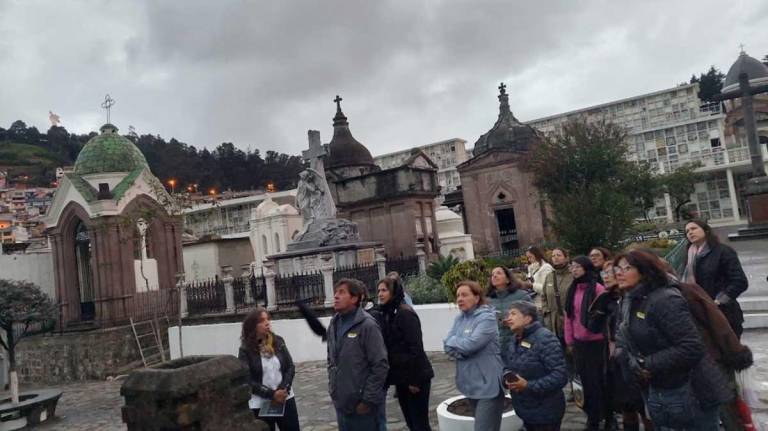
(107, 104)
(502, 88)
(314, 155)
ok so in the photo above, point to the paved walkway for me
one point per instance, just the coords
(95, 406)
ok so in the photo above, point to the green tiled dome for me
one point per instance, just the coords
(108, 152)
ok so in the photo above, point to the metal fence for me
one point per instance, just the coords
(249, 291)
(306, 287)
(154, 304)
(206, 296)
(368, 274)
(406, 266)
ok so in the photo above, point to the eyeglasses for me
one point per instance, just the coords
(623, 268)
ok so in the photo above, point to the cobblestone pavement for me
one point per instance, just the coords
(95, 406)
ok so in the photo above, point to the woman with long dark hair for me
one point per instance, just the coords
(271, 370)
(660, 346)
(409, 368)
(503, 289)
(588, 347)
(716, 268)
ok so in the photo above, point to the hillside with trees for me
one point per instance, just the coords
(27, 153)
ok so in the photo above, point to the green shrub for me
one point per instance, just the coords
(439, 267)
(475, 270)
(426, 290)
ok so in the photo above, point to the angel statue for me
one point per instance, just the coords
(53, 118)
(313, 198)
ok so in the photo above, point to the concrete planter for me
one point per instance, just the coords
(34, 408)
(448, 421)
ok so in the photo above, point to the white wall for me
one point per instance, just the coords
(304, 345)
(34, 267)
(201, 261)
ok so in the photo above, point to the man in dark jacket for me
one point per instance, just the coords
(357, 360)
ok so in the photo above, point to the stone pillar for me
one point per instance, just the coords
(732, 194)
(269, 282)
(327, 265)
(750, 127)
(381, 262)
(183, 307)
(422, 256)
(246, 275)
(229, 290)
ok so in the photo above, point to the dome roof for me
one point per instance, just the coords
(344, 150)
(755, 70)
(108, 152)
(285, 209)
(507, 133)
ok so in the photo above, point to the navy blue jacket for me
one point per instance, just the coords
(538, 358)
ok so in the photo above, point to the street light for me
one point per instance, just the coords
(172, 183)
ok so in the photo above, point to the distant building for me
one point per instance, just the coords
(445, 154)
(671, 127)
(229, 218)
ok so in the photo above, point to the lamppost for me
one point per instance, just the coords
(172, 183)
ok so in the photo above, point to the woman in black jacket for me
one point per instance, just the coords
(716, 268)
(271, 370)
(660, 346)
(409, 367)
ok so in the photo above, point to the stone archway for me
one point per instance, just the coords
(69, 269)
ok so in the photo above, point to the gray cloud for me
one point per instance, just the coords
(260, 74)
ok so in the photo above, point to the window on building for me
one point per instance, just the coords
(714, 142)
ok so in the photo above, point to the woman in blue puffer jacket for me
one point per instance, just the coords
(474, 342)
(535, 370)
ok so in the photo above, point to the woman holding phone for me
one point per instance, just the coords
(534, 370)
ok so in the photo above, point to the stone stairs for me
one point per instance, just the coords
(755, 311)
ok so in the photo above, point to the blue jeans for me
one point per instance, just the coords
(678, 409)
(355, 422)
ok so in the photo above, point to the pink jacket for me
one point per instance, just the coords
(574, 330)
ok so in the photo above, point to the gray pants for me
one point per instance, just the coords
(488, 413)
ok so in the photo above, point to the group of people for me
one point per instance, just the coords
(629, 334)
(369, 350)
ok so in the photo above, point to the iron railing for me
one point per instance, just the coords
(206, 296)
(305, 287)
(368, 274)
(249, 291)
(406, 266)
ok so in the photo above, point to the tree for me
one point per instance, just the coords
(710, 83)
(588, 182)
(24, 310)
(680, 184)
(645, 188)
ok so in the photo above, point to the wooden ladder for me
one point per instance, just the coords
(149, 341)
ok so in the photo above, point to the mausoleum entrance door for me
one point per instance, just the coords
(84, 274)
(507, 229)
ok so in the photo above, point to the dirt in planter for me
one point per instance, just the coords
(462, 407)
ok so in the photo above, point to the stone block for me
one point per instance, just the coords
(191, 393)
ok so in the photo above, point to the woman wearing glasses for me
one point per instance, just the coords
(659, 345)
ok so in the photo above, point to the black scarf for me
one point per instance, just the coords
(586, 300)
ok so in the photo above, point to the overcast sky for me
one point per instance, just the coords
(261, 73)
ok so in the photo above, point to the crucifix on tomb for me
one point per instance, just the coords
(107, 104)
(316, 152)
(755, 188)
